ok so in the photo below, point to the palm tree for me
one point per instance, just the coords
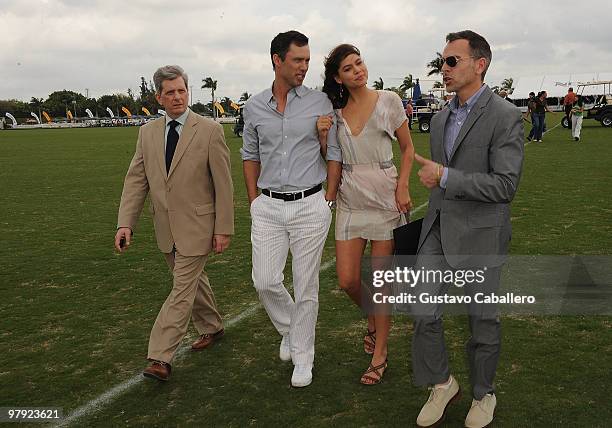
(407, 83)
(436, 64)
(506, 85)
(438, 84)
(245, 96)
(378, 84)
(226, 103)
(212, 85)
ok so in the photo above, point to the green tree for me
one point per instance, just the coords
(438, 84)
(211, 84)
(435, 65)
(147, 96)
(202, 109)
(506, 85)
(109, 101)
(17, 108)
(407, 83)
(378, 84)
(58, 103)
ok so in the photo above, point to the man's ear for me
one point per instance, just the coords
(158, 98)
(482, 63)
(276, 59)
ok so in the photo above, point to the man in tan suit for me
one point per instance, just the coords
(183, 162)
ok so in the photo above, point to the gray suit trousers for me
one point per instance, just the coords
(429, 355)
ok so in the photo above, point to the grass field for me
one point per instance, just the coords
(76, 316)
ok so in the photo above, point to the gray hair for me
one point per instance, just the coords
(168, 72)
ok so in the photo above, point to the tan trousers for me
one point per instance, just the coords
(191, 297)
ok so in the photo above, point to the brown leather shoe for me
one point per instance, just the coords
(206, 340)
(158, 370)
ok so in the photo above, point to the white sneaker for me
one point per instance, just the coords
(440, 397)
(481, 412)
(284, 352)
(302, 375)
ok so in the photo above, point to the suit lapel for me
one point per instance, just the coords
(438, 145)
(159, 133)
(187, 134)
(475, 113)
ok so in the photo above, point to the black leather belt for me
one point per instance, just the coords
(292, 196)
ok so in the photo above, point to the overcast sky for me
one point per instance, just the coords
(106, 45)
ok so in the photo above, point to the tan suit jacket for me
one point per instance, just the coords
(195, 199)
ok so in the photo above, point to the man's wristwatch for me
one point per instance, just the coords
(331, 204)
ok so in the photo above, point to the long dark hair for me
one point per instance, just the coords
(337, 92)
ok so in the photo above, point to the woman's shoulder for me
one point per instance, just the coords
(387, 95)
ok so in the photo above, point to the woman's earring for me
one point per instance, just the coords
(341, 91)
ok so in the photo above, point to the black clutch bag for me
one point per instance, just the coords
(406, 238)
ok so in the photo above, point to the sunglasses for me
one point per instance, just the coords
(452, 61)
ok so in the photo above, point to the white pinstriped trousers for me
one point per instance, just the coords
(299, 226)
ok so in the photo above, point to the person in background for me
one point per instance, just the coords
(409, 112)
(540, 115)
(568, 103)
(577, 112)
(531, 105)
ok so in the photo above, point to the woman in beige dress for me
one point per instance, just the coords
(370, 195)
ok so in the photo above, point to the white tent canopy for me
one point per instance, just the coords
(556, 85)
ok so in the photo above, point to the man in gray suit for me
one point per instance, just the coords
(476, 161)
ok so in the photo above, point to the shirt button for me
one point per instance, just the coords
(285, 136)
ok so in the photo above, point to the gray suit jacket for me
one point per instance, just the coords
(483, 175)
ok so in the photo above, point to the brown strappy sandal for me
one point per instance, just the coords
(369, 342)
(377, 371)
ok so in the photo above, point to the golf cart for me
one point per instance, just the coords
(426, 107)
(600, 107)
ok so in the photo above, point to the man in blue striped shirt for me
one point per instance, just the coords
(284, 157)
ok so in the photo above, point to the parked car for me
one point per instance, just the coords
(601, 107)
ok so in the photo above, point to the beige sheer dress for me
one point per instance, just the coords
(366, 197)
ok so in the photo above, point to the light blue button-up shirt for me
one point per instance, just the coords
(287, 144)
(456, 118)
(181, 120)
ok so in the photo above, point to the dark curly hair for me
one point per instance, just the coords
(337, 92)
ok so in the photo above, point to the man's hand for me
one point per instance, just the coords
(430, 172)
(220, 243)
(324, 123)
(125, 234)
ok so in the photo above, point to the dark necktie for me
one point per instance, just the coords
(171, 142)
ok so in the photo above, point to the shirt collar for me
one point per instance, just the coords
(454, 105)
(181, 119)
(300, 91)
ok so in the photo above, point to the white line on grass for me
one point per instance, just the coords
(113, 393)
